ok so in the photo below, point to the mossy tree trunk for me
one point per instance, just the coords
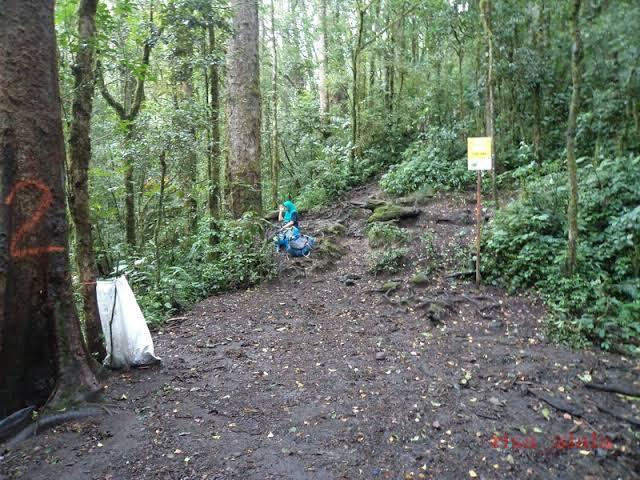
(80, 157)
(539, 46)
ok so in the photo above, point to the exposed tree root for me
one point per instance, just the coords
(15, 422)
(468, 273)
(619, 416)
(615, 387)
(53, 420)
(558, 403)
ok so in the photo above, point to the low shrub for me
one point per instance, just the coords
(388, 261)
(380, 234)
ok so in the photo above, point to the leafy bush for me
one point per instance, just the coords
(437, 161)
(525, 247)
(380, 234)
(197, 268)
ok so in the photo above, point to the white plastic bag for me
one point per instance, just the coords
(126, 334)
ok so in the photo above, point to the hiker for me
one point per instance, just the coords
(288, 214)
(289, 236)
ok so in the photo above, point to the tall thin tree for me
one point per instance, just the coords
(214, 121)
(80, 156)
(485, 14)
(275, 160)
(323, 64)
(576, 76)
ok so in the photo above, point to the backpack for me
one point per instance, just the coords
(301, 246)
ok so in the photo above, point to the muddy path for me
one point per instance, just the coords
(332, 372)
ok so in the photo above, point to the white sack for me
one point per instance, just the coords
(132, 343)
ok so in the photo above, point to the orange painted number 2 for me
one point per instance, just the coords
(45, 202)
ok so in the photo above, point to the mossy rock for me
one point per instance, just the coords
(389, 286)
(420, 196)
(420, 278)
(374, 203)
(334, 229)
(392, 212)
(329, 249)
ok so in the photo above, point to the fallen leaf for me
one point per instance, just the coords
(546, 414)
(585, 377)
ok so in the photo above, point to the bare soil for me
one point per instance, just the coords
(326, 372)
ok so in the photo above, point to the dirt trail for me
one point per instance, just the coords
(323, 374)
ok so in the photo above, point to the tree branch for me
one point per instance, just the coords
(139, 94)
(113, 103)
(390, 24)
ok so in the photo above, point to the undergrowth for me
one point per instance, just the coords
(237, 256)
(380, 234)
(526, 248)
(388, 261)
(437, 160)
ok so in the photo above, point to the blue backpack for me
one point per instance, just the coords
(301, 246)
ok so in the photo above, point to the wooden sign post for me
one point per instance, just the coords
(479, 158)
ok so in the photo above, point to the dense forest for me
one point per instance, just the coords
(349, 91)
(184, 124)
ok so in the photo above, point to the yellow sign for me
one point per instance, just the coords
(479, 153)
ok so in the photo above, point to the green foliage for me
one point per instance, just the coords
(381, 234)
(525, 247)
(414, 112)
(431, 253)
(437, 161)
(238, 257)
(388, 260)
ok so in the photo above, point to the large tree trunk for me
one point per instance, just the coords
(41, 345)
(576, 75)
(275, 160)
(80, 156)
(243, 92)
